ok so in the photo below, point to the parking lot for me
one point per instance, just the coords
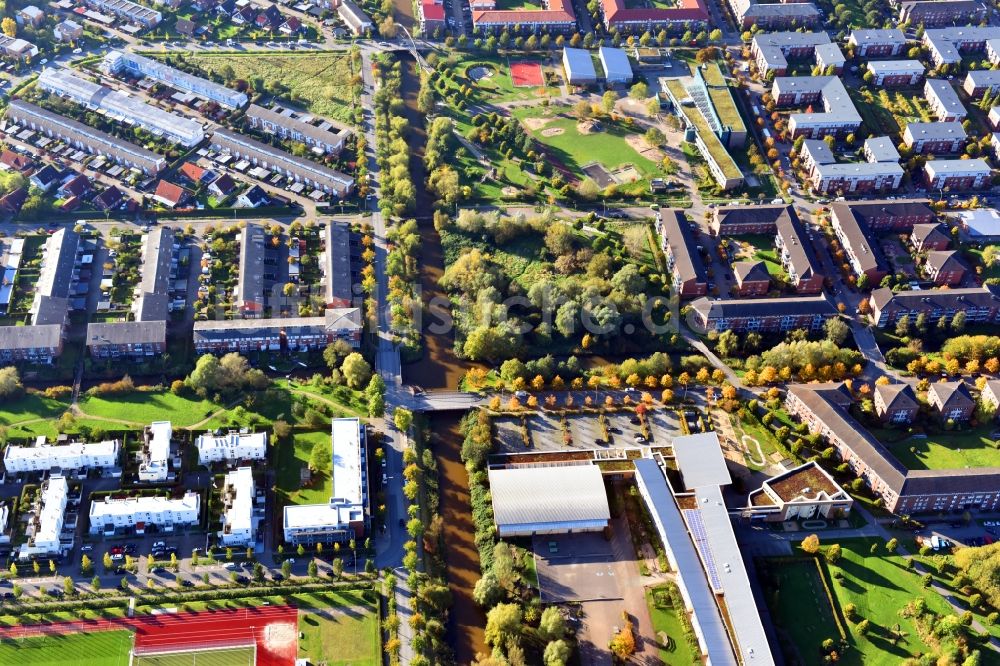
(546, 432)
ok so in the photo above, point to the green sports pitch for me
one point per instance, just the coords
(235, 656)
(103, 648)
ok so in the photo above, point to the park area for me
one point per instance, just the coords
(601, 149)
(320, 83)
(975, 447)
(878, 587)
(305, 448)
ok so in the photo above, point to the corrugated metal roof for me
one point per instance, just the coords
(566, 493)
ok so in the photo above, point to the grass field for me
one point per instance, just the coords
(226, 657)
(499, 87)
(36, 414)
(951, 450)
(576, 150)
(292, 458)
(878, 585)
(801, 607)
(344, 638)
(103, 648)
(764, 250)
(321, 83)
(146, 407)
(666, 621)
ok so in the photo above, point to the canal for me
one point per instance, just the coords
(440, 368)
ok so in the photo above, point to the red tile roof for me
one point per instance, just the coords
(615, 11)
(170, 193)
(16, 162)
(192, 171)
(431, 11)
(559, 11)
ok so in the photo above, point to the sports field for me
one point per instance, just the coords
(239, 656)
(103, 648)
(526, 74)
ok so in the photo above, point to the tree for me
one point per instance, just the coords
(337, 567)
(356, 370)
(832, 553)
(108, 563)
(402, 418)
(503, 624)
(639, 91)
(488, 592)
(10, 383)
(68, 586)
(608, 100)
(582, 109)
(552, 625)
(557, 653)
(622, 644)
(891, 545)
(836, 330)
(86, 566)
(9, 26)
(95, 583)
(312, 569)
(654, 137)
(286, 569)
(810, 544)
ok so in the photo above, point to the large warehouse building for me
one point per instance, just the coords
(549, 500)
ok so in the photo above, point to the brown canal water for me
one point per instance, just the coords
(439, 368)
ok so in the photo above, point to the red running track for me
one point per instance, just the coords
(276, 646)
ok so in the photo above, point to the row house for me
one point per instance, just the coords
(877, 42)
(937, 138)
(952, 400)
(929, 236)
(895, 403)
(745, 220)
(292, 333)
(838, 115)
(945, 46)
(980, 82)
(555, 16)
(981, 305)
(944, 101)
(619, 15)
(134, 340)
(771, 50)
(113, 515)
(825, 410)
(932, 13)
(766, 315)
(896, 73)
(944, 267)
(325, 136)
(775, 16)
(40, 344)
(971, 174)
(682, 253)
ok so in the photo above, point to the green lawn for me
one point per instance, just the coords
(146, 407)
(801, 610)
(104, 648)
(32, 415)
(666, 621)
(949, 450)
(763, 435)
(346, 638)
(880, 585)
(576, 150)
(500, 87)
(976, 254)
(292, 457)
(322, 83)
(764, 250)
(239, 656)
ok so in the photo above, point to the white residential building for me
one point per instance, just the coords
(237, 519)
(45, 528)
(154, 465)
(231, 447)
(110, 514)
(43, 457)
(345, 516)
(116, 62)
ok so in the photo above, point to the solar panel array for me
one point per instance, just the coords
(697, 527)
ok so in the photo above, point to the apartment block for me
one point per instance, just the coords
(934, 13)
(981, 305)
(936, 138)
(771, 50)
(838, 116)
(69, 457)
(319, 134)
(232, 447)
(979, 82)
(134, 514)
(896, 73)
(238, 500)
(945, 46)
(293, 333)
(682, 254)
(957, 174)
(45, 527)
(118, 62)
(877, 43)
(766, 315)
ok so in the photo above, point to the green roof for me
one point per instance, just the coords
(719, 153)
(722, 97)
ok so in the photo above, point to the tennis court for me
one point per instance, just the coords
(234, 656)
(525, 74)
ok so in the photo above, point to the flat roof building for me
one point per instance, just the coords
(45, 529)
(345, 516)
(111, 515)
(116, 62)
(154, 459)
(982, 224)
(891, 73)
(943, 100)
(85, 138)
(957, 174)
(129, 11)
(945, 46)
(238, 495)
(231, 447)
(121, 107)
(530, 500)
(802, 493)
(877, 42)
(74, 456)
(935, 137)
